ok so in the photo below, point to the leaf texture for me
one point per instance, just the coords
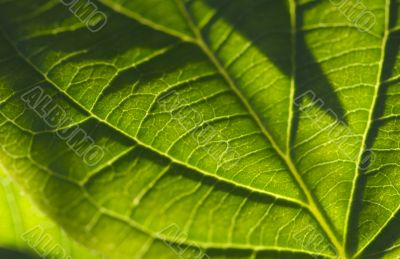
(25, 228)
(245, 125)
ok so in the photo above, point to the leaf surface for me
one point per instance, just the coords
(244, 126)
(26, 229)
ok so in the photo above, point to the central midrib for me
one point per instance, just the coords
(313, 204)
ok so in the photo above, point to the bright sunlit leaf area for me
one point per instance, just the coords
(200, 129)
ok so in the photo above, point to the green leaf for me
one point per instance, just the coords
(255, 129)
(24, 228)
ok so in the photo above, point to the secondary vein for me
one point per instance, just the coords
(293, 34)
(141, 143)
(379, 82)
